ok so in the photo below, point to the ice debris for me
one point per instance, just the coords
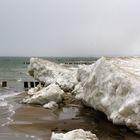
(78, 134)
(109, 85)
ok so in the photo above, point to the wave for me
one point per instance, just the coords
(7, 110)
(9, 95)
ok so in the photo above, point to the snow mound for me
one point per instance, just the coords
(51, 105)
(45, 95)
(50, 72)
(78, 134)
(109, 85)
(113, 87)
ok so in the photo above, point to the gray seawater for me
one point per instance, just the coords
(14, 71)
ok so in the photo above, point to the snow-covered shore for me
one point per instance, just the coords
(113, 88)
(110, 85)
(49, 72)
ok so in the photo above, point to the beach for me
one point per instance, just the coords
(33, 122)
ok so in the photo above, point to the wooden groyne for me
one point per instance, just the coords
(79, 62)
(31, 84)
(26, 84)
(4, 83)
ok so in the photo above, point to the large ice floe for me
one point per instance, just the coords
(78, 134)
(109, 85)
(44, 95)
(113, 87)
(49, 72)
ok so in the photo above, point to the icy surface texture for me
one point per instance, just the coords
(78, 134)
(113, 87)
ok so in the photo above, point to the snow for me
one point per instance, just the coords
(50, 72)
(113, 88)
(35, 90)
(45, 95)
(51, 105)
(83, 72)
(109, 85)
(78, 134)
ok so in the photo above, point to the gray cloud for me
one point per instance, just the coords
(69, 27)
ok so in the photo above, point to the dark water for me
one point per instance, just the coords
(27, 122)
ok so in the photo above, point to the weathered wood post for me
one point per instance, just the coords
(32, 84)
(42, 84)
(4, 83)
(36, 84)
(25, 84)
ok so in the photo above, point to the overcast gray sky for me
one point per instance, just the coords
(69, 27)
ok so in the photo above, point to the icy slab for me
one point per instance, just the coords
(50, 72)
(110, 85)
(35, 90)
(45, 95)
(51, 105)
(78, 134)
(113, 87)
(83, 72)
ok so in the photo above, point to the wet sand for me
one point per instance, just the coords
(35, 122)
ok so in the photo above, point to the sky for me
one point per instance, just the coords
(69, 28)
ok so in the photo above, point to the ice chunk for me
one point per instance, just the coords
(51, 105)
(78, 134)
(50, 72)
(113, 87)
(45, 95)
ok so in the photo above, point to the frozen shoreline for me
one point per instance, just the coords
(109, 85)
(42, 122)
(34, 122)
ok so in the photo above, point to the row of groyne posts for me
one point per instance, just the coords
(30, 84)
(79, 62)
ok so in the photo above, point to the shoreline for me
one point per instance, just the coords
(39, 123)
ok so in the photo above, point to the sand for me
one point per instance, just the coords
(34, 122)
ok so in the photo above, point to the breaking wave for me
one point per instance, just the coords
(7, 110)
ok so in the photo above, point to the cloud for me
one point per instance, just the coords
(69, 28)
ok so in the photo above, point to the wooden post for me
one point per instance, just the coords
(42, 84)
(4, 83)
(25, 84)
(36, 84)
(32, 84)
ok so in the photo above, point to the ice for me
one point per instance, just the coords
(110, 85)
(51, 105)
(78, 134)
(113, 87)
(45, 95)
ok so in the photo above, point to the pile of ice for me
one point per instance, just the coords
(49, 72)
(56, 79)
(48, 96)
(51, 105)
(110, 85)
(78, 134)
(113, 87)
